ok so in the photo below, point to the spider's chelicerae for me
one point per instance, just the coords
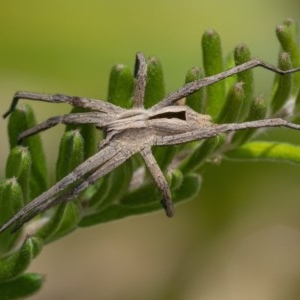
(130, 131)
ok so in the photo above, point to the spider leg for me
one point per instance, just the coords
(140, 73)
(48, 198)
(96, 118)
(93, 104)
(118, 158)
(159, 179)
(215, 129)
(194, 86)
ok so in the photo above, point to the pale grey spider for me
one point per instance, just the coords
(130, 131)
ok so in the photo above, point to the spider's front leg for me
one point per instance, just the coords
(196, 85)
(93, 104)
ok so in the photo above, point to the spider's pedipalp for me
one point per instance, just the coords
(140, 74)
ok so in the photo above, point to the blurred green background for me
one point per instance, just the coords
(243, 229)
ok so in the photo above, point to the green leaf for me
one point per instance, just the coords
(15, 264)
(11, 201)
(18, 165)
(88, 133)
(164, 155)
(110, 213)
(266, 151)
(287, 34)
(200, 154)
(258, 111)
(283, 84)
(297, 109)
(155, 88)
(66, 216)
(189, 189)
(107, 191)
(71, 153)
(231, 111)
(63, 221)
(196, 101)
(230, 63)
(213, 64)
(23, 286)
(120, 87)
(174, 179)
(135, 202)
(19, 121)
(241, 55)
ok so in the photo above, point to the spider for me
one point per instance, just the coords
(131, 131)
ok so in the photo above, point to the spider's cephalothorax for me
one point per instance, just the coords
(141, 126)
(130, 131)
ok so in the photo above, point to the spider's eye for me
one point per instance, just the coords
(181, 115)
